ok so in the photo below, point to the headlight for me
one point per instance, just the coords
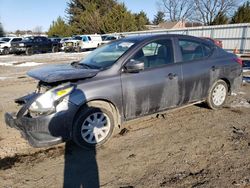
(46, 103)
(21, 44)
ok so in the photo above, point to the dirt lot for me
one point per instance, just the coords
(191, 147)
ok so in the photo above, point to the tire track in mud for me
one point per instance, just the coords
(31, 158)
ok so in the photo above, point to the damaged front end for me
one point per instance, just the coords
(46, 115)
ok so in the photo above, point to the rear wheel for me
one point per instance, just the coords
(94, 125)
(29, 51)
(217, 95)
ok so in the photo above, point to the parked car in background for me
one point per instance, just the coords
(215, 41)
(129, 78)
(5, 44)
(56, 39)
(82, 42)
(35, 44)
(109, 38)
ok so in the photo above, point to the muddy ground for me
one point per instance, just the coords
(191, 147)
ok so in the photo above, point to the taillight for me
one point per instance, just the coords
(238, 60)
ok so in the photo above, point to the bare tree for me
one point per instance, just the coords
(176, 10)
(38, 30)
(207, 10)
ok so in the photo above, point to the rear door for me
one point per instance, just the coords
(155, 88)
(199, 69)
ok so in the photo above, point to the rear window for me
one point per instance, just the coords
(193, 50)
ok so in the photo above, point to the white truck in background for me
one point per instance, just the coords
(80, 43)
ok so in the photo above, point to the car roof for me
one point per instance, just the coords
(145, 37)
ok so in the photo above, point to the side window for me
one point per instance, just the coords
(192, 50)
(89, 38)
(84, 39)
(16, 39)
(155, 54)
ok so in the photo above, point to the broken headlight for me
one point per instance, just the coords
(46, 103)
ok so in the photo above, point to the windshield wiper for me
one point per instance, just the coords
(76, 64)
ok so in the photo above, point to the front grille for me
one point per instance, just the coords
(69, 44)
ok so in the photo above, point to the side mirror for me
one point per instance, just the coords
(134, 66)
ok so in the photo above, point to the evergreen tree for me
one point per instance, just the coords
(141, 20)
(119, 20)
(220, 19)
(90, 21)
(78, 10)
(159, 18)
(242, 15)
(59, 28)
(1, 30)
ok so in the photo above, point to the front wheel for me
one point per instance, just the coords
(217, 95)
(94, 126)
(55, 49)
(6, 51)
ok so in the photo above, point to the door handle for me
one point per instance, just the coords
(171, 76)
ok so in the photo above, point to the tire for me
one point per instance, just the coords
(78, 49)
(29, 51)
(217, 95)
(55, 49)
(6, 51)
(86, 135)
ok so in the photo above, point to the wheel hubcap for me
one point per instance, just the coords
(219, 94)
(95, 128)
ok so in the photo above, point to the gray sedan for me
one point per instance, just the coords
(87, 101)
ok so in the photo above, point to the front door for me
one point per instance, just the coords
(155, 88)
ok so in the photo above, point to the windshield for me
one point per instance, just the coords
(28, 38)
(107, 55)
(77, 38)
(5, 39)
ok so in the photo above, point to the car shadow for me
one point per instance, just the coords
(81, 169)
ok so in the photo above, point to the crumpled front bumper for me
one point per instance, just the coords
(27, 128)
(46, 130)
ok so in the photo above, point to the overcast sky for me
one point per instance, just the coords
(28, 14)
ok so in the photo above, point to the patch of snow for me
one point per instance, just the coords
(241, 92)
(246, 70)
(11, 63)
(239, 103)
(20, 64)
(4, 78)
(28, 64)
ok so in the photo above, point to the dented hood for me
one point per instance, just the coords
(61, 72)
